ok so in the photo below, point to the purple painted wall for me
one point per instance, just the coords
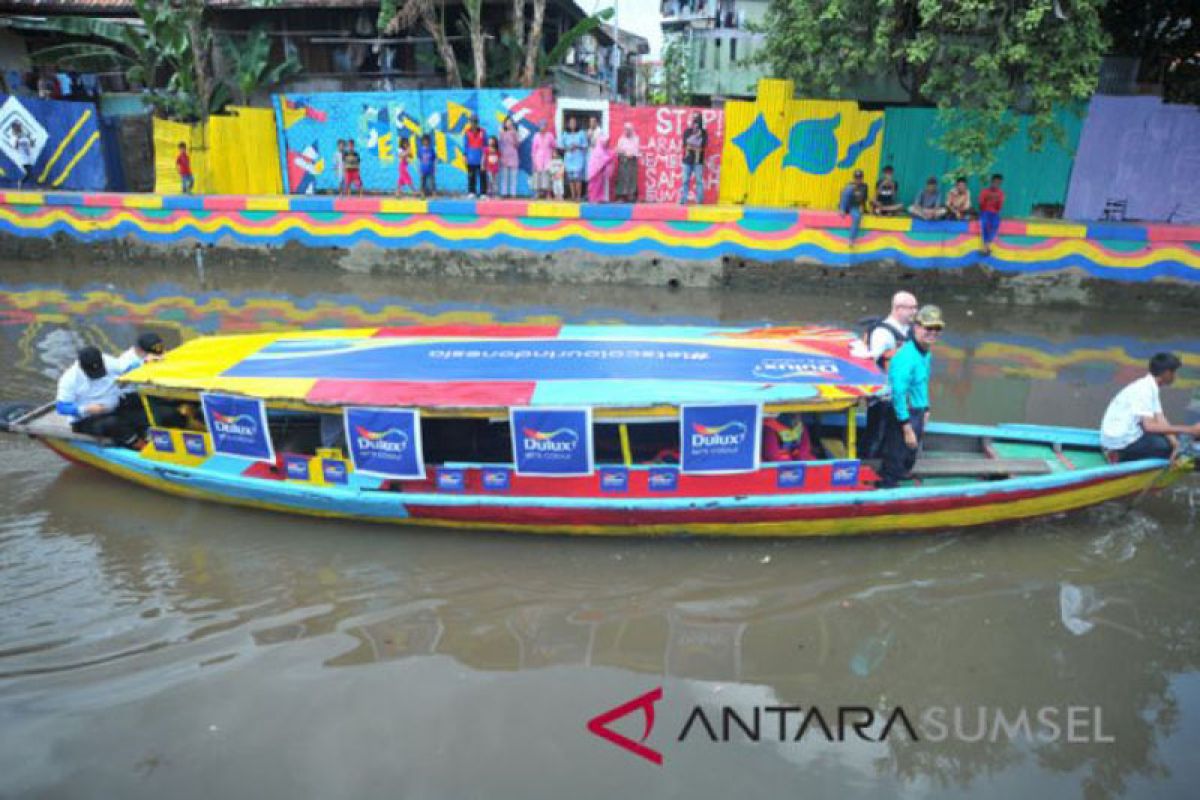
(1140, 150)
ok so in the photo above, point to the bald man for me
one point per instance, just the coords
(884, 338)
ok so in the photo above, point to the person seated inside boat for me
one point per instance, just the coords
(148, 347)
(1134, 426)
(184, 415)
(89, 396)
(785, 438)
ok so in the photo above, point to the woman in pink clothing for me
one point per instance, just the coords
(543, 153)
(599, 169)
(510, 159)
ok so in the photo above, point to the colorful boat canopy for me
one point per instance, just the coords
(500, 366)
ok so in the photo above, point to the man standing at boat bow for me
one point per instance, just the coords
(908, 377)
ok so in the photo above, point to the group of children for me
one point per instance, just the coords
(483, 174)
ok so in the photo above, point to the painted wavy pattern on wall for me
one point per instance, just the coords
(682, 233)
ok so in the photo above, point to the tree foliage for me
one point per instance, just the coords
(976, 60)
(676, 87)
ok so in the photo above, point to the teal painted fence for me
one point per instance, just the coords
(1029, 178)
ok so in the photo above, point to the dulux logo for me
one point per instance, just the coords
(495, 479)
(614, 480)
(235, 424)
(778, 369)
(662, 479)
(162, 441)
(731, 434)
(562, 440)
(393, 441)
(194, 444)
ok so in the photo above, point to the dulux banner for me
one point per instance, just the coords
(238, 426)
(716, 439)
(385, 442)
(552, 441)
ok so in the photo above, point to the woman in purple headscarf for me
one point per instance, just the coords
(599, 169)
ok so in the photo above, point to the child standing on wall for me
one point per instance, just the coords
(351, 163)
(427, 159)
(404, 182)
(558, 174)
(183, 165)
(991, 203)
(491, 166)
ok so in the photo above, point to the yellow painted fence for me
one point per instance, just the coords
(780, 151)
(237, 154)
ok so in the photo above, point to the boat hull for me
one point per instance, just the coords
(907, 509)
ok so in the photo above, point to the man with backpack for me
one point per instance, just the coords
(883, 337)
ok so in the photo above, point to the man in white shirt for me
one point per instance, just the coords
(884, 337)
(1134, 426)
(88, 395)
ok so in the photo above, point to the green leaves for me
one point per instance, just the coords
(978, 61)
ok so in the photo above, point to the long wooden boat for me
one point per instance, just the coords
(572, 429)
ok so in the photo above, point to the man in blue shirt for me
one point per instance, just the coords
(908, 376)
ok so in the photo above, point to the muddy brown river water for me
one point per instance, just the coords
(157, 647)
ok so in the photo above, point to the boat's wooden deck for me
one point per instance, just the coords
(45, 421)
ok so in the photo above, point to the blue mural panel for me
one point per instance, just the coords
(311, 124)
(50, 144)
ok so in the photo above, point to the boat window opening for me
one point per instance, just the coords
(184, 415)
(465, 440)
(296, 432)
(648, 442)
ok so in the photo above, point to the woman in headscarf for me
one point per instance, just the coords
(628, 151)
(600, 169)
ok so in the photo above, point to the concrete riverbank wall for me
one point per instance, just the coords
(704, 246)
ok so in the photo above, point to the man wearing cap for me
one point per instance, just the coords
(1134, 426)
(908, 377)
(854, 197)
(148, 347)
(88, 395)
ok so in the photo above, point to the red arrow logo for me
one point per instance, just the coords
(599, 725)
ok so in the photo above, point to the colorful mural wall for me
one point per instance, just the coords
(1129, 253)
(310, 126)
(660, 131)
(1030, 179)
(64, 139)
(780, 151)
(1140, 152)
(236, 154)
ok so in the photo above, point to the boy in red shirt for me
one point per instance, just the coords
(991, 202)
(183, 165)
